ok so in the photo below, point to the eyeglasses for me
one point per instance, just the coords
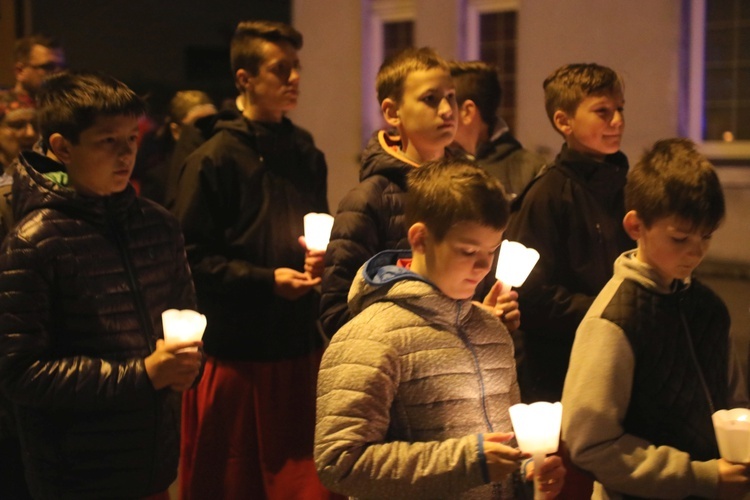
(48, 67)
(18, 125)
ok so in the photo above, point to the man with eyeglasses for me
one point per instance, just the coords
(36, 57)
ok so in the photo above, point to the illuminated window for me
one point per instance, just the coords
(719, 84)
(726, 104)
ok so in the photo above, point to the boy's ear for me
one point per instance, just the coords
(417, 235)
(467, 111)
(174, 130)
(562, 122)
(60, 147)
(243, 79)
(633, 225)
(389, 107)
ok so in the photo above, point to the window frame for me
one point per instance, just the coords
(375, 15)
(474, 9)
(696, 46)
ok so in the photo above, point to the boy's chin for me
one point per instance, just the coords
(460, 295)
(594, 153)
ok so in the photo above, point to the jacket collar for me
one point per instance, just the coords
(381, 280)
(34, 189)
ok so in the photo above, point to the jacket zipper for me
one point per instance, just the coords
(475, 358)
(146, 326)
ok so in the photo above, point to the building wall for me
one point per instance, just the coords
(331, 87)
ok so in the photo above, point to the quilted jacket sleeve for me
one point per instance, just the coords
(355, 238)
(596, 398)
(356, 386)
(30, 373)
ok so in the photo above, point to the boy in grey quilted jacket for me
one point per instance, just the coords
(413, 393)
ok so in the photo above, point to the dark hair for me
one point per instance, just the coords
(23, 46)
(183, 101)
(568, 85)
(70, 102)
(246, 48)
(444, 192)
(479, 82)
(673, 178)
(392, 74)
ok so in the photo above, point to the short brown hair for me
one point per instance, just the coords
(479, 82)
(444, 192)
(185, 100)
(246, 48)
(673, 178)
(568, 85)
(392, 74)
(23, 46)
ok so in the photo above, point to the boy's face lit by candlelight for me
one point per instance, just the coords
(460, 261)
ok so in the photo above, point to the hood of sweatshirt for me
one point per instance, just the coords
(628, 266)
(381, 279)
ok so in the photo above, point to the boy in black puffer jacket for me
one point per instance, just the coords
(418, 100)
(84, 277)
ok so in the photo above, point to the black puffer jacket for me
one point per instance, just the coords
(572, 214)
(370, 219)
(83, 282)
(241, 202)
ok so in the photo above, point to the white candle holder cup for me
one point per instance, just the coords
(514, 264)
(317, 230)
(537, 430)
(183, 325)
(732, 428)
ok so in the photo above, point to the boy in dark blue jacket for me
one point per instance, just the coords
(84, 277)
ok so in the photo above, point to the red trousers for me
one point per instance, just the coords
(248, 429)
(579, 484)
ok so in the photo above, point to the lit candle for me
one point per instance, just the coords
(514, 264)
(317, 230)
(732, 428)
(537, 429)
(182, 326)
